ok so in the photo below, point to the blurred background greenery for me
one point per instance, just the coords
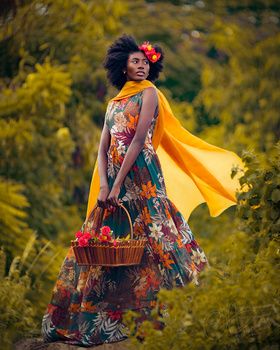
(221, 76)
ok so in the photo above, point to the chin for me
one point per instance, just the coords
(140, 78)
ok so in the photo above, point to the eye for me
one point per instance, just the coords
(135, 60)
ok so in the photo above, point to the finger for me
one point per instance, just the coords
(109, 203)
(103, 204)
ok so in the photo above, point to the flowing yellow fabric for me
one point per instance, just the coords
(194, 170)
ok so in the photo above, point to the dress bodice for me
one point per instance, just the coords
(122, 119)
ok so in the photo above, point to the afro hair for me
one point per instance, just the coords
(117, 56)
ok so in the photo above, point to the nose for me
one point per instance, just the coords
(141, 64)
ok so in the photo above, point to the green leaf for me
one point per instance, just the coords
(275, 195)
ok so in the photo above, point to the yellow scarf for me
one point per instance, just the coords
(194, 170)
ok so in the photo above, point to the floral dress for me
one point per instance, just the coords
(88, 302)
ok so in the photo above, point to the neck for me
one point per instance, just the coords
(132, 87)
(135, 81)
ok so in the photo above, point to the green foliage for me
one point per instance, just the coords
(260, 206)
(52, 102)
(25, 288)
(221, 76)
(239, 84)
(38, 133)
(237, 303)
(13, 227)
(16, 311)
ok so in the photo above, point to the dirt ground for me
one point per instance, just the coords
(38, 344)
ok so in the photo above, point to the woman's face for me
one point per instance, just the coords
(137, 67)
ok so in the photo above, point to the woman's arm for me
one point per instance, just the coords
(149, 104)
(102, 163)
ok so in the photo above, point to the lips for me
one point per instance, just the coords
(140, 73)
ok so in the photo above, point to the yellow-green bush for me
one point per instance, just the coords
(221, 76)
(236, 306)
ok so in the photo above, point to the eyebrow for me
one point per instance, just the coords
(136, 58)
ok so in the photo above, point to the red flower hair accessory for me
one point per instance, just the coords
(150, 51)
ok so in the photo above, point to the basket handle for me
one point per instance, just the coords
(102, 214)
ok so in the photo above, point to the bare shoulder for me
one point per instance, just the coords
(150, 93)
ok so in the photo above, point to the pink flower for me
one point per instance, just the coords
(79, 234)
(87, 235)
(83, 240)
(105, 230)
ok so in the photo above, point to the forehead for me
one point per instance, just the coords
(140, 55)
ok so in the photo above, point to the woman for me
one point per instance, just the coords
(142, 145)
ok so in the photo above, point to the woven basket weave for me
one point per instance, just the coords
(128, 252)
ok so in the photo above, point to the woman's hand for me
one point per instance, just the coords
(113, 197)
(102, 196)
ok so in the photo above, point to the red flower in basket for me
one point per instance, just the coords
(83, 238)
(105, 230)
(106, 234)
(78, 234)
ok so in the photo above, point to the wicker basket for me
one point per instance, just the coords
(128, 252)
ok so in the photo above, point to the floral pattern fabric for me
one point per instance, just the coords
(88, 302)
